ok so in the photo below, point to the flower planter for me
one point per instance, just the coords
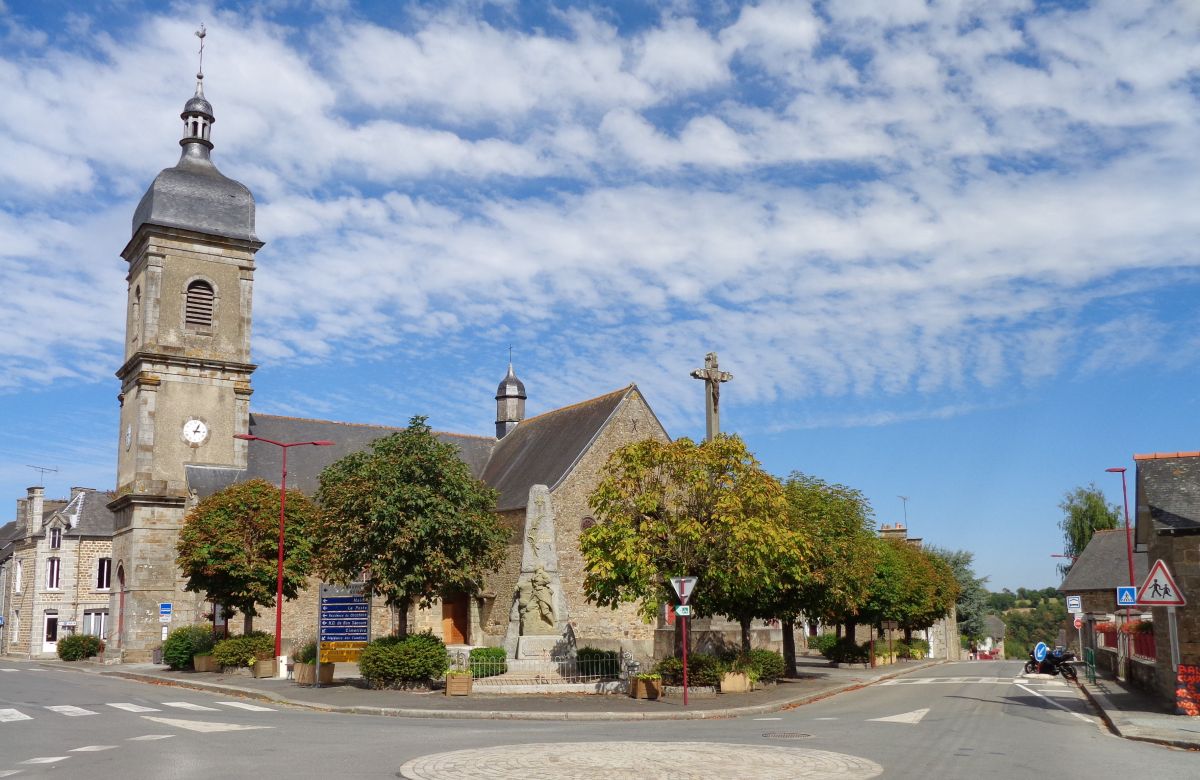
(458, 684)
(645, 689)
(263, 668)
(305, 674)
(735, 682)
(204, 663)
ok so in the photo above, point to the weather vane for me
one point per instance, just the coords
(200, 34)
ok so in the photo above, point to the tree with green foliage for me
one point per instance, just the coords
(1085, 511)
(910, 586)
(229, 546)
(838, 523)
(408, 517)
(972, 602)
(681, 508)
(1025, 627)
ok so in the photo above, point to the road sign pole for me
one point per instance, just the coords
(1174, 632)
(317, 677)
(683, 627)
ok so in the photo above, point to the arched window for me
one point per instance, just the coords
(198, 313)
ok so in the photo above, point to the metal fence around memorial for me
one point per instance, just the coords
(550, 671)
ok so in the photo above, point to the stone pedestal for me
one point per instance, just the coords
(538, 647)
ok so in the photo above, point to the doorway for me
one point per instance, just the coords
(456, 619)
(50, 636)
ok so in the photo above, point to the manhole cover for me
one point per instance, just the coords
(786, 735)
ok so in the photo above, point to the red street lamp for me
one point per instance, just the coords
(282, 506)
(1128, 536)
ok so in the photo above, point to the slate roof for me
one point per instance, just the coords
(1104, 564)
(994, 626)
(89, 514)
(540, 451)
(196, 196)
(8, 532)
(1168, 494)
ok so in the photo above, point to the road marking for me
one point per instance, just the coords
(10, 772)
(92, 748)
(7, 716)
(10, 670)
(133, 708)
(244, 706)
(46, 760)
(203, 725)
(150, 737)
(768, 718)
(68, 710)
(913, 717)
(824, 718)
(187, 705)
(1084, 718)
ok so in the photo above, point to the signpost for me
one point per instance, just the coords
(683, 588)
(1160, 590)
(1127, 596)
(1078, 622)
(164, 611)
(343, 624)
(1075, 605)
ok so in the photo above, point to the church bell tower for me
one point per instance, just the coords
(185, 382)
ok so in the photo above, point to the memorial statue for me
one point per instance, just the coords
(536, 602)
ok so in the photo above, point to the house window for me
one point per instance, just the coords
(103, 573)
(52, 573)
(95, 621)
(17, 578)
(55, 538)
(198, 311)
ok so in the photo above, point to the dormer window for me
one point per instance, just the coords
(198, 309)
(55, 538)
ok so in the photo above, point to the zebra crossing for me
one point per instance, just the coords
(12, 715)
(1042, 681)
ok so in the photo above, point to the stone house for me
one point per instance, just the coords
(56, 570)
(1168, 529)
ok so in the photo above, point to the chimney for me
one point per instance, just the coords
(75, 491)
(897, 531)
(33, 508)
(21, 510)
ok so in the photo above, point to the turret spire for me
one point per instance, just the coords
(510, 401)
(197, 113)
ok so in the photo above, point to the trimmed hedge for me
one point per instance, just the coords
(488, 661)
(766, 664)
(391, 661)
(593, 661)
(703, 669)
(77, 647)
(244, 650)
(823, 643)
(847, 651)
(185, 642)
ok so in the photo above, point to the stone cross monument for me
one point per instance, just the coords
(713, 377)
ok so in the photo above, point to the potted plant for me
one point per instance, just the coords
(305, 670)
(458, 682)
(646, 686)
(263, 667)
(205, 663)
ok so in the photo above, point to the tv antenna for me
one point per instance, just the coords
(904, 500)
(42, 472)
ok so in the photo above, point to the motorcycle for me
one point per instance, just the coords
(1056, 661)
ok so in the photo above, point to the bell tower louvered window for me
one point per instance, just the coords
(198, 314)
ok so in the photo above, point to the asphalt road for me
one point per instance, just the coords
(977, 720)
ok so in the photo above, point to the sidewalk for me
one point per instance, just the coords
(817, 681)
(1134, 714)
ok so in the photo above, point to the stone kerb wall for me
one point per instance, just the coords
(602, 627)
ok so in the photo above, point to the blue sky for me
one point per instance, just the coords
(948, 249)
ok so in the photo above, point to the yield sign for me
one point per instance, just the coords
(683, 587)
(1159, 589)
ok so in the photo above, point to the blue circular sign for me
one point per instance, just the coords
(1039, 652)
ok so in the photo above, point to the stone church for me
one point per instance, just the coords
(186, 390)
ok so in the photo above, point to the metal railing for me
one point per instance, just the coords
(494, 671)
(1089, 658)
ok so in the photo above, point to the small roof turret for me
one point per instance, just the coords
(510, 386)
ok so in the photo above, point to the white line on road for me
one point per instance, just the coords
(9, 772)
(187, 705)
(150, 737)
(46, 760)
(10, 670)
(244, 706)
(203, 725)
(123, 705)
(67, 709)
(91, 748)
(7, 716)
(824, 718)
(913, 717)
(768, 718)
(1084, 718)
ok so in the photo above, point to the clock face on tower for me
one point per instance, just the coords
(195, 432)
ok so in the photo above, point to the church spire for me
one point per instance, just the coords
(197, 114)
(510, 401)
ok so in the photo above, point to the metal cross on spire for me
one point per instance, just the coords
(713, 377)
(200, 34)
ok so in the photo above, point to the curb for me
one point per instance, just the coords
(1100, 701)
(566, 715)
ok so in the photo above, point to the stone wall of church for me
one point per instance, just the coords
(501, 586)
(609, 629)
(1181, 554)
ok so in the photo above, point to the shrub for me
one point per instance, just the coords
(917, 649)
(185, 642)
(244, 650)
(306, 653)
(766, 664)
(703, 669)
(823, 643)
(77, 647)
(847, 651)
(488, 661)
(602, 663)
(391, 661)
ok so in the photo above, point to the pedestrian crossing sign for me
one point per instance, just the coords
(1159, 589)
(1126, 596)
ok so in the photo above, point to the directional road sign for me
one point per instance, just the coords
(1039, 652)
(683, 610)
(1075, 605)
(1159, 589)
(1126, 596)
(683, 587)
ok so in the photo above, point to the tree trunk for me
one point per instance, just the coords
(789, 648)
(400, 628)
(745, 624)
(247, 623)
(908, 636)
(851, 630)
(837, 630)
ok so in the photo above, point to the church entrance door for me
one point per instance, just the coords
(456, 619)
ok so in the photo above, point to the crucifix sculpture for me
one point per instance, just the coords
(713, 377)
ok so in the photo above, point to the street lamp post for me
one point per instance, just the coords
(1125, 639)
(285, 446)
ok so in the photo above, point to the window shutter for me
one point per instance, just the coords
(199, 310)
